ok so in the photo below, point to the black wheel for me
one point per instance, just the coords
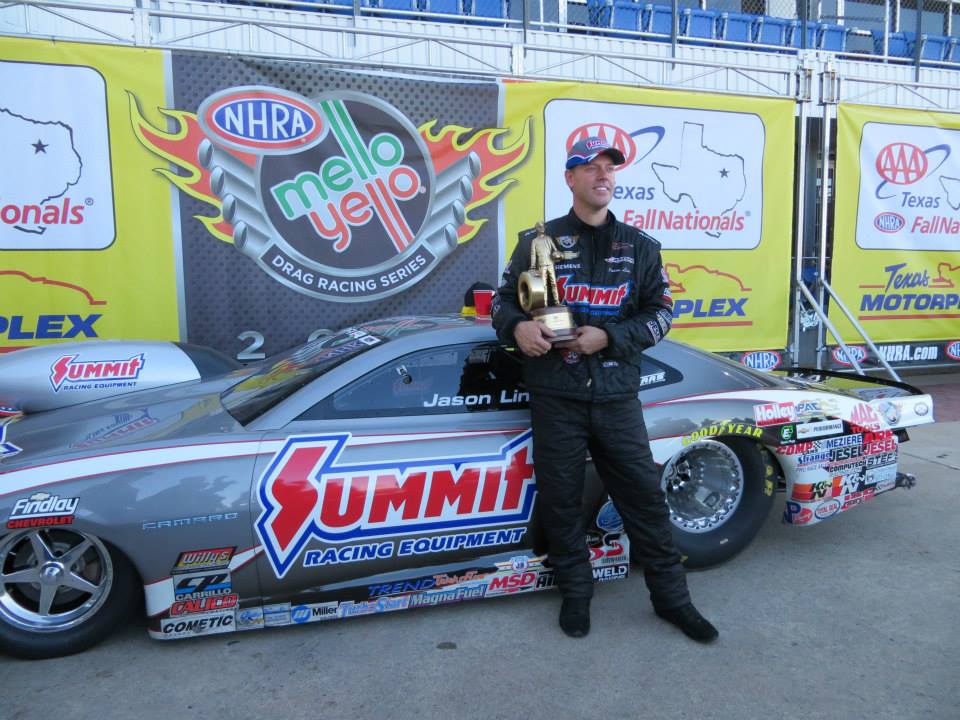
(719, 494)
(61, 591)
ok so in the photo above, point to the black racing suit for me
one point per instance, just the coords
(588, 403)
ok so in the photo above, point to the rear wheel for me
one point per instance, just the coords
(719, 494)
(61, 591)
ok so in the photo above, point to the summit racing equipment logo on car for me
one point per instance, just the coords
(89, 374)
(337, 196)
(305, 494)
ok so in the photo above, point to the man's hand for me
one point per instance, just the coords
(531, 337)
(589, 340)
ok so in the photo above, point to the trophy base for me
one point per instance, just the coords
(559, 319)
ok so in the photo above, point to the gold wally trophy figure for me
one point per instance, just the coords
(537, 288)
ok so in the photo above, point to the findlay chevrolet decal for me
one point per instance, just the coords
(305, 494)
(337, 196)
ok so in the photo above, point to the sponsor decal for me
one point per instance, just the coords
(337, 196)
(123, 424)
(250, 618)
(447, 579)
(762, 359)
(403, 586)
(315, 612)
(194, 521)
(204, 625)
(68, 373)
(599, 299)
(48, 327)
(306, 494)
(511, 583)
(276, 615)
(909, 353)
(921, 408)
(368, 607)
(652, 379)
(212, 603)
(796, 449)
(410, 546)
(609, 554)
(774, 413)
(7, 449)
(788, 433)
(857, 498)
(796, 514)
(840, 357)
(820, 490)
(520, 563)
(829, 444)
(42, 509)
(620, 571)
(724, 428)
(208, 559)
(819, 429)
(608, 518)
(889, 222)
(865, 416)
(953, 350)
(443, 596)
(189, 587)
(827, 509)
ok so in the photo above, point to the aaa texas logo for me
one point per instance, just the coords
(337, 196)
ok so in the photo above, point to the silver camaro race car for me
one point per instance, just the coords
(384, 467)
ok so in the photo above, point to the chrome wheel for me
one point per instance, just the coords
(704, 484)
(53, 580)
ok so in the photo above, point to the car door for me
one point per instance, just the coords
(407, 485)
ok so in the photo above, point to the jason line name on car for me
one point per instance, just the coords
(517, 396)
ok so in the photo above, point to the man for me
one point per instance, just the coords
(583, 392)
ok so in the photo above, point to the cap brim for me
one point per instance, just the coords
(611, 152)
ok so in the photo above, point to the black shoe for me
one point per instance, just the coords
(575, 616)
(687, 618)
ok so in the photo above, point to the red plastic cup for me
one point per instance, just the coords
(481, 302)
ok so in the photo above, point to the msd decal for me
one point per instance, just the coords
(86, 374)
(305, 494)
(601, 299)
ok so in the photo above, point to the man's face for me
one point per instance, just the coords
(592, 184)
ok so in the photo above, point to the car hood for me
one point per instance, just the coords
(169, 414)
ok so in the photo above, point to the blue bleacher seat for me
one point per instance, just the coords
(833, 37)
(773, 31)
(813, 34)
(897, 44)
(658, 19)
(447, 7)
(626, 15)
(492, 9)
(701, 24)
(411, 5)
(953, 54)
(934, 47)
(598, 13)
(737, 27)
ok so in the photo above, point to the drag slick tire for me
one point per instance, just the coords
(61, 591)
(719, 493)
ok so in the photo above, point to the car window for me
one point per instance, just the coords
(654, 374)
(451, 379)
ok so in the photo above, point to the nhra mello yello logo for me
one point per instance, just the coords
(306, 494)
(337, 196)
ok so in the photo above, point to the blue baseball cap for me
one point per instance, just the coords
(584, 151)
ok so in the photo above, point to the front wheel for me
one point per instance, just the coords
(61, 591)
(719, 494)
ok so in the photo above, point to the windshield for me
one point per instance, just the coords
(282, 375)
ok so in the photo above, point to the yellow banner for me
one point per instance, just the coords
(896, 238)
(86, 245)
(709, 176)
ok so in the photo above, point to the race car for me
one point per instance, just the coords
(386, 466)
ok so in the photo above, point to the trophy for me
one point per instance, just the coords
(537, 288)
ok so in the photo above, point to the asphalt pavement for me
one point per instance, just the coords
(856, 617)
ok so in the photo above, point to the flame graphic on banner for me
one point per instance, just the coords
(180, 148)
(446, 146)
(449, 145)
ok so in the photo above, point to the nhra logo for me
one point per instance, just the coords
(67, 369)
(306, 494)
(343, 202)
(761, 359)
(840, 357)
(614, 136)
(889, 222)
(901, 163)
(953, 350)
(262, 120)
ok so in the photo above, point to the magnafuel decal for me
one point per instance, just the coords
(306, 494)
